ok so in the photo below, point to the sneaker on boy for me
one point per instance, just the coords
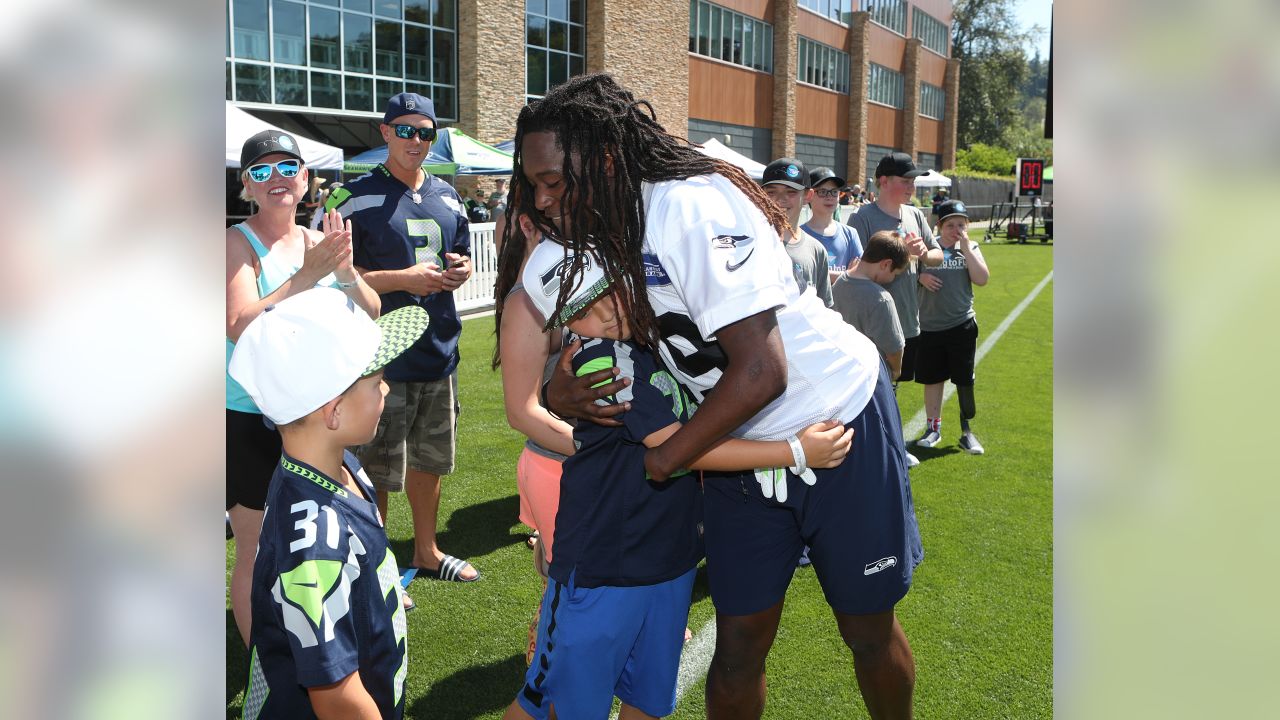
(329, 634)
(969, 443)
(930, 439)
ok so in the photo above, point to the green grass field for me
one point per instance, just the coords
(979, 616)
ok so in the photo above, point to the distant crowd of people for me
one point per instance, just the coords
(635, 275)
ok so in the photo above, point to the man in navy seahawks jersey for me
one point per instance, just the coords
(411, 242)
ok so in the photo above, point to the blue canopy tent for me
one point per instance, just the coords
(453, 153)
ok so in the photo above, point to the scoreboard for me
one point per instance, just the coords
(1030, 177)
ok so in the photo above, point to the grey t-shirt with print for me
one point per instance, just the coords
(867, 306)
(870, 219)
(809, 265)
(952, 304)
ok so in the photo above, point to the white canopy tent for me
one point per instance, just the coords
(720, 151)
(241, 126)
(933, 179)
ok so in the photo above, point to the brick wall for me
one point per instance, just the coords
(784, 78)
(911, 95)
(645, 46)
(859, 55)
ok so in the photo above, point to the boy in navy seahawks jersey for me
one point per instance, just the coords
(614, 613)
(328, 636)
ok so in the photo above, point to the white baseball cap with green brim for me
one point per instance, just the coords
(310, 348)
(545, 272)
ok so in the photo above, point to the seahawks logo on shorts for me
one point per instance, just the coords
(881, 564)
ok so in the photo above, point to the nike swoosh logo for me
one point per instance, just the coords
(312, 584)
(731, 266)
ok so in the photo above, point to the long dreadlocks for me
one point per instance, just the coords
(595, 119)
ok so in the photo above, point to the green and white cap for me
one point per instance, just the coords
(308, 349)
(545, 272)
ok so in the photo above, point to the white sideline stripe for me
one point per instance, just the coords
(696, 658)
(914, 428)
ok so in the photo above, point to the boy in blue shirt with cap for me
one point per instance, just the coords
(627, 547)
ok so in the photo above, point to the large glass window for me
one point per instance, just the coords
(555, 43)
(291, 86)
(889, 13)
(417, 53)
(325, 35)
(933, 101)
(357, 43)
(723, 34)
(359, 93)
(372, 46)
(885, 86)
(932, 32)
(289, 32)
(838, 10)
(253, 83)
(326, 90)
(388, 48)
(822, 65)
(250, 29)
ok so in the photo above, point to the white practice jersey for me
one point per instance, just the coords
(711, 259)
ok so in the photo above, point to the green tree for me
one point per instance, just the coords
(994, 71)
(983, 158)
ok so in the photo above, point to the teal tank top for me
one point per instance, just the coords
(274, 270)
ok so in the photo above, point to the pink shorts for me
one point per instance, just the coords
(538, 480)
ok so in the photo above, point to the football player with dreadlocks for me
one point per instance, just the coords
(691, 247)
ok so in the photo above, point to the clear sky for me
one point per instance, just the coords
(1036, 12)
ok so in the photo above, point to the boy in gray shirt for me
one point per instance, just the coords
(864, 303)
(787, 183)
(949, 330)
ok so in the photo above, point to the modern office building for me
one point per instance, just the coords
(832, 82)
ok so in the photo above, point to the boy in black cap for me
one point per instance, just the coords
(841, 242)
(787, 183)
(948, 326)
(412, 243)
(892, 210)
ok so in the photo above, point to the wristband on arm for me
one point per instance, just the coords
(797, 454)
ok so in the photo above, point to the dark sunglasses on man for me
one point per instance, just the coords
(406, 132)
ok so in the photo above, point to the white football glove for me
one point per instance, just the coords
(773, 482)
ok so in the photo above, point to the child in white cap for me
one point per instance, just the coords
(328, 634)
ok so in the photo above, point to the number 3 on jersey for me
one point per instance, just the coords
(432, 248)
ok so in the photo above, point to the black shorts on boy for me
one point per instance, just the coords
(947, 355)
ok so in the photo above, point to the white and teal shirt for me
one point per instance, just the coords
(326, 596)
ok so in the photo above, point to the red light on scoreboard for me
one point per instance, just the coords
(1030, 177)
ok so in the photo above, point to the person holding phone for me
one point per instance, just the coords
(412, 244)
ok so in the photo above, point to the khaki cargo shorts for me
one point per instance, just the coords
(418, 430)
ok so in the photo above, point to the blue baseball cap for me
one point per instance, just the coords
(408, 103)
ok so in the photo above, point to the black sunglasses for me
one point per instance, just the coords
(406, 132)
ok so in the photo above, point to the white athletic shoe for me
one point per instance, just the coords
(930, 439)
(969, 443)
(912, 460)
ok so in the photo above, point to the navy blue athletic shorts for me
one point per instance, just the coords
(858, 521)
